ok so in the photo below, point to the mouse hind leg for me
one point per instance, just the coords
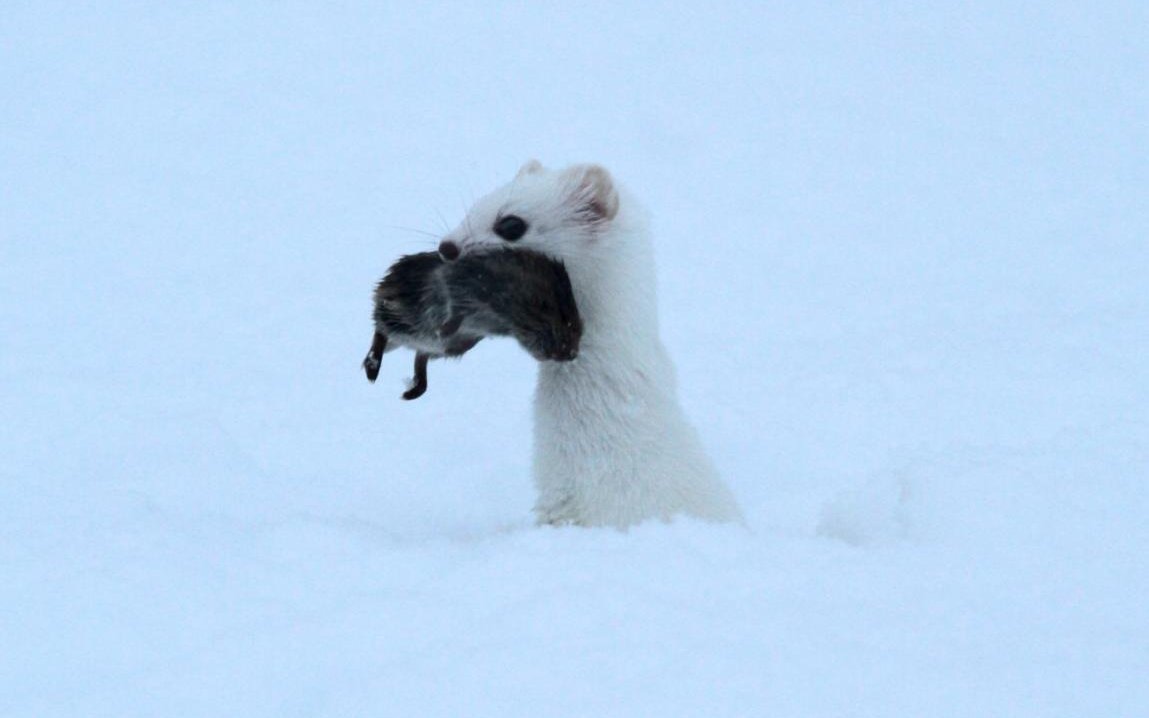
(419, 381)
(375, 356)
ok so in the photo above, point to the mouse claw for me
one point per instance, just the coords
(414, 392)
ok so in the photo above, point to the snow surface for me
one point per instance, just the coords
(904, 271)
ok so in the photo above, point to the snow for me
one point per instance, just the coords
(903, 258)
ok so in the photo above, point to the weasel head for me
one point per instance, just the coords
(565, 214)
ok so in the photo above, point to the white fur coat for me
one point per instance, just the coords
(612, 445)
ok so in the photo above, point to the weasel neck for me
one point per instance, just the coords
(617, 301)
(622, 364)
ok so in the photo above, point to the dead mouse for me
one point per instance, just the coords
(443, 308)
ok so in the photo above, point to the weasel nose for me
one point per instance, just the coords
(448, 250)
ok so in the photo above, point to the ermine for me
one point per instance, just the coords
(611, 443)
(444, 309)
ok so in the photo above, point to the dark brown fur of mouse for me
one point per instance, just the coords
(445, 308)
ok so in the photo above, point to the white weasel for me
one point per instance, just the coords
(612, 446)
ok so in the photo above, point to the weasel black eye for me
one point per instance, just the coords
(510, 227)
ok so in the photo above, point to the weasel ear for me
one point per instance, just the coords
(594, 191)
(530, 168)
